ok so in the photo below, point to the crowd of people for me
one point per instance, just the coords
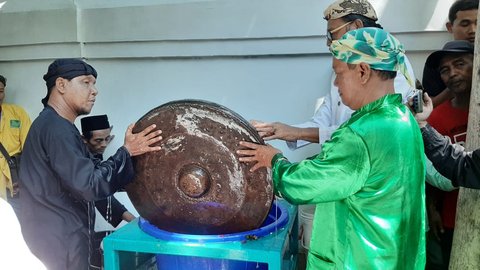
(323, 180)
(381, 203)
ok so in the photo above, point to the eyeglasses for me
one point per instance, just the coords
(331, 32)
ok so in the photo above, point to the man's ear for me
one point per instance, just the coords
(449, 26)
(365, 72)
(358, 23)
(60, 84)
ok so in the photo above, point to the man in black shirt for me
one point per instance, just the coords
(58, 177)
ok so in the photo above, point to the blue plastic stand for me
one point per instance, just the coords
(277, 250)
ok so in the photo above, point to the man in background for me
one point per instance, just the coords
(462, 24)
(342, 16)
(454, 65)
(96, 133)
(14, 126)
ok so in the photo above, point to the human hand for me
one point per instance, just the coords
(260, 154)
(127, 216)
(427, 110)
(141, 143)
(275, 130)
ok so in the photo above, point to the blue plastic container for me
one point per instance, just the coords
(172, 262)
(277, 219)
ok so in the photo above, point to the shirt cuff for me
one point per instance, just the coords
(276, 158)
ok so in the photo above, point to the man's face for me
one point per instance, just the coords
(456, 72)
(80, 93)
(99, 141)
(464, 26)
(347, 81)
(2, 93)
(336, 28)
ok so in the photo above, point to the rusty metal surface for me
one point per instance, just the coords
(196, 184)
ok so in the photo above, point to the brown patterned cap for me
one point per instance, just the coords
(341, 8)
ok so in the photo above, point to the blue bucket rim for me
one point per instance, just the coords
(279, 224)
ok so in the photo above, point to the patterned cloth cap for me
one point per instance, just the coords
(373, 46)
(341, 8)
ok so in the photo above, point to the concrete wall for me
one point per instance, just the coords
(265, 59)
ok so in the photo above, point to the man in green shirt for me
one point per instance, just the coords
(372, 168)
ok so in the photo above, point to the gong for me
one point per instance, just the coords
(195, 183)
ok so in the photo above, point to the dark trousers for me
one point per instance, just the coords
(446, 240)
(96, 257)
(438, 252)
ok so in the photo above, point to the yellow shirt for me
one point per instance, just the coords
(14, 126)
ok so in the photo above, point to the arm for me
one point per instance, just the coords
(339, 171)
(434, 178)
(317, 130)
(25, 125)
(446, 94)
(329, 116)
(451, 160)
(281, 131)
(70, 160)
(118, 211)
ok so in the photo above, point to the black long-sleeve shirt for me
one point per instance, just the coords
(114, 215)
(451, 160)
(58, 182)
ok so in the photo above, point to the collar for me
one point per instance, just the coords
(390, 99)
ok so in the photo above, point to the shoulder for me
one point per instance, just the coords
(49, 123)
(343, 139)
(384, 121)
(14, 109)
(346, 134)
(15, 112)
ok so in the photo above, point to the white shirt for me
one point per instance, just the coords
(332, 113)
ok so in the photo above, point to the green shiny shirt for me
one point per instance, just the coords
(368, 183)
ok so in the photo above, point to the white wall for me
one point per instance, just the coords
(266, 60)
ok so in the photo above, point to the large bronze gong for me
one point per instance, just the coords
(196, 184)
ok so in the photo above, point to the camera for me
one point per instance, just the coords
(418, 101)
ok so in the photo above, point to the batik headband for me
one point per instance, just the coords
(373, 46)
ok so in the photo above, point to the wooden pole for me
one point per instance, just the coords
(466, 238)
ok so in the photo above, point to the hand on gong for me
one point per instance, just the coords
(275, 130)
(261, 155)
(142, 142)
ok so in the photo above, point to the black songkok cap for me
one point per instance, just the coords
(67, 68)
(95, 122)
